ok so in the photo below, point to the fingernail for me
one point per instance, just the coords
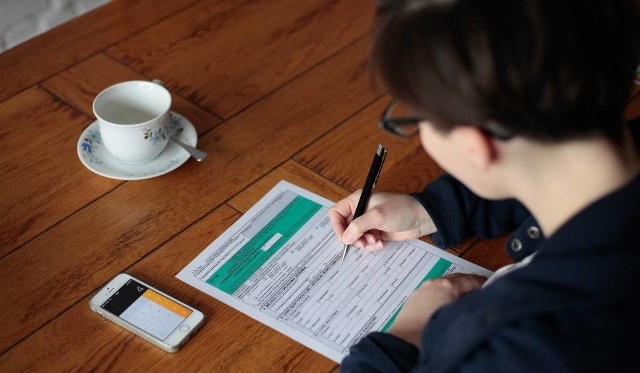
(370, 240)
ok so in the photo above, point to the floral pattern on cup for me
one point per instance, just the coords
(89, 145)
(163, 133)
(175, 128)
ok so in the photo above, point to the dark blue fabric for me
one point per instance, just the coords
(459, 213)
(395, 355)
(575, 307)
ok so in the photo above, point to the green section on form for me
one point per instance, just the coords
(237, 270)
(438, 270)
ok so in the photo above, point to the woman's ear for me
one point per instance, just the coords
(478, 146)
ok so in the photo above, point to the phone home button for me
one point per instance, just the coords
(184, 328)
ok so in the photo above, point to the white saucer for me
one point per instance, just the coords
(96, 158)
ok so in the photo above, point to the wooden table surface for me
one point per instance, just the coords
(276, 90)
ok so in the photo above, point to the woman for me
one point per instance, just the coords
(521, 102)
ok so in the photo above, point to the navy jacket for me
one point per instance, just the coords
(575, 307)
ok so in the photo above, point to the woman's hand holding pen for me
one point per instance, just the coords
(397, 217)
(389, 217)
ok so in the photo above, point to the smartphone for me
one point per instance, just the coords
(147, 312)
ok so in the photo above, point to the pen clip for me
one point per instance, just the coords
(382, 152)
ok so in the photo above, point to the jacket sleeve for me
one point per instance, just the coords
(458, 213)
(380, 352)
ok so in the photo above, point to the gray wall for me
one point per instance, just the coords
(21, 20)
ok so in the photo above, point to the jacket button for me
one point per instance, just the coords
(516, 245)
(533, 232)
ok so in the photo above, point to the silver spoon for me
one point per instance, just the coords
(197, 154)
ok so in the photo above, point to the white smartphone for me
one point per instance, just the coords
(147, 312)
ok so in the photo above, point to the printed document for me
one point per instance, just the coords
(281, 264)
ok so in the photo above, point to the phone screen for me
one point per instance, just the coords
(146, 309)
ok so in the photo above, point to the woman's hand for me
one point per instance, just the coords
(389, 217)
(427, 299)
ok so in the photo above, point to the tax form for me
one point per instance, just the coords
(280, 264)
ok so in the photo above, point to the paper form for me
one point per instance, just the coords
(280, 264)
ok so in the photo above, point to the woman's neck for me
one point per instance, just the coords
(556, 181)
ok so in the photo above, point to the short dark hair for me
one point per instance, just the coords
(545, 69)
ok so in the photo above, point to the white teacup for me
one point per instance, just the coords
(134, 120)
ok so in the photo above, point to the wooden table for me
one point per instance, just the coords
(276, 90)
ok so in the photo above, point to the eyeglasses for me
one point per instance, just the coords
(408, 126)
(400, 126)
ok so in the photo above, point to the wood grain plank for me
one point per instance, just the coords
(42, 179)
(79, 85)
(294, 173)
(255, 141)
(65, 45)
(344, 155)
(489, 254)
(98, 344)
(225, 55)
(138, 217)
(412, 172)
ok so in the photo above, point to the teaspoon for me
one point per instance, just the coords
(197, 154)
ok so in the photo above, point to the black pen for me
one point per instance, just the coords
(374, 172)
